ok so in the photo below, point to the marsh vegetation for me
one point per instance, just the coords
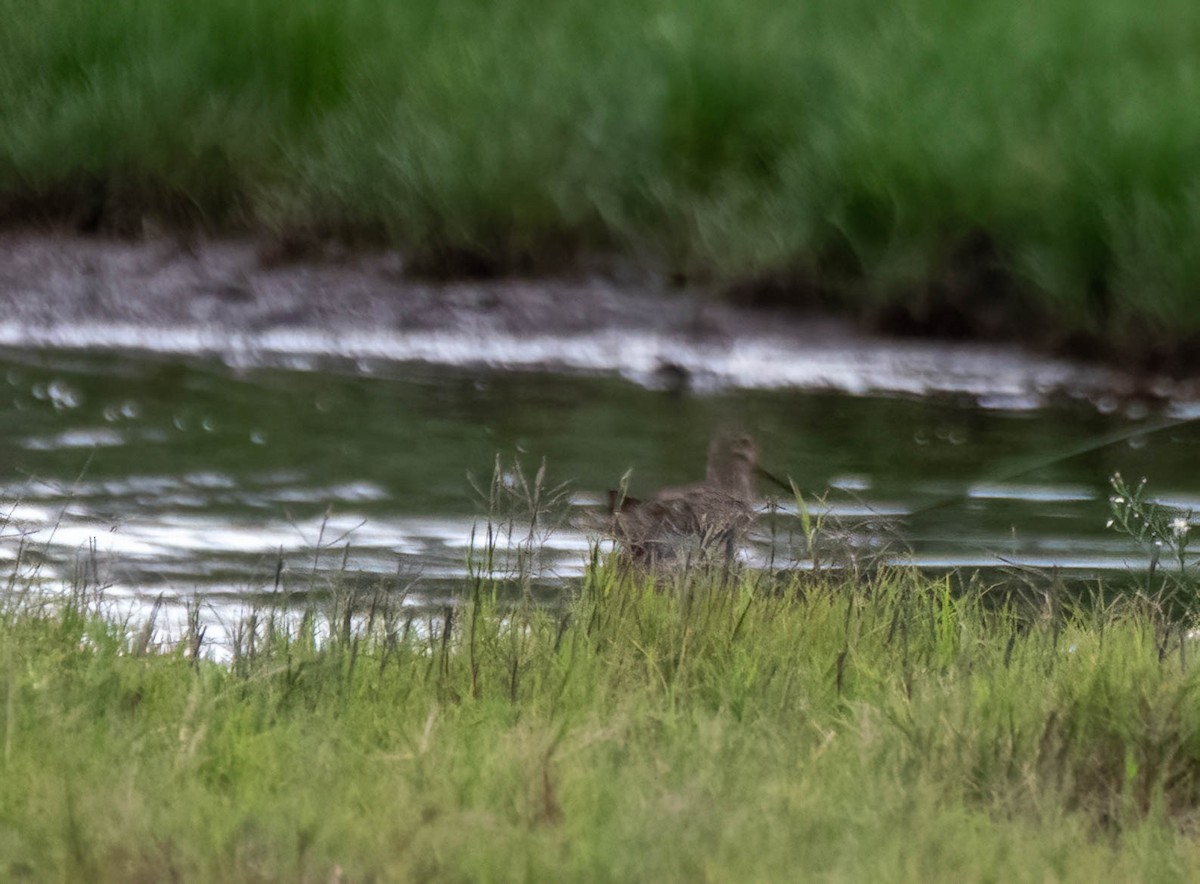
(846, 723)
(984, 170)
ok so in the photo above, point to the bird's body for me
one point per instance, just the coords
(696, 519)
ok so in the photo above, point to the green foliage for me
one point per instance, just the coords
(1164, 533)
(860, 142)
(822, 727)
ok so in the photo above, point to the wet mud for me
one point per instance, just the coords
(173, 295)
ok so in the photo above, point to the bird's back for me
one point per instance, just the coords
(686, 518)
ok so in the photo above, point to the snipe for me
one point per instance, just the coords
(700, 519)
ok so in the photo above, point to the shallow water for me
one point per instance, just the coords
(176, 477)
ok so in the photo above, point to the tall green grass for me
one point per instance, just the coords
(877, 728)
(861, 149)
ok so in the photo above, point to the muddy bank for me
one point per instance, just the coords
(236, 300)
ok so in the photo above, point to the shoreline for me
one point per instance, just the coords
(224, 298)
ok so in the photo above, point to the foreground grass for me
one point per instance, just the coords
(967, 165)
(876, 729)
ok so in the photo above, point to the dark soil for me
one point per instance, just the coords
(51, 279)
(159, 280)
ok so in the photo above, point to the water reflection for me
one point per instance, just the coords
(186, 477)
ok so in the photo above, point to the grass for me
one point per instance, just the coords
(878, 727)
(942, 168)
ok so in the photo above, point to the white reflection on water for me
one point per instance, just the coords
(227, 566)
(1003, 378)
(219, 616)
(188, 543)
(99, 437)
(1006, 491)
(1084, 564)
(192, 545)
(1189, 502)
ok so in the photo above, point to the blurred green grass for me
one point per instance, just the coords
(879, 155)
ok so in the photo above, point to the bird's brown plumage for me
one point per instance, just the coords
(702, 517)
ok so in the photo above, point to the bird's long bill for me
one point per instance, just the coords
(771, 477)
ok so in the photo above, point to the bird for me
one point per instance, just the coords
(693, 521)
